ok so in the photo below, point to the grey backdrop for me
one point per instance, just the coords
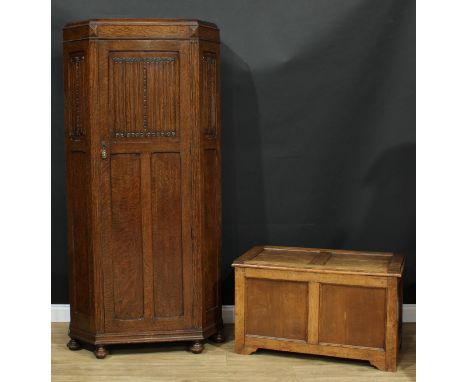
(318, 123)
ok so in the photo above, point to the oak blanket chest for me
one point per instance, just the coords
(319, 301)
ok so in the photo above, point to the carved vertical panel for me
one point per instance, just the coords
(163, 97)
(167, 235)
(209, 86)
(144, 94)
(126, 236)
(127, 90)
(77, 95)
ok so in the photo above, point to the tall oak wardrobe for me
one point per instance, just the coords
(142, 127)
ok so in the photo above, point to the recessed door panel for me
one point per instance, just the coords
(126, 236)
(168, 263)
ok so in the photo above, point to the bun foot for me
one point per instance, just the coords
(219, 337)
(197, 347)
(100, 352)
(73, 344)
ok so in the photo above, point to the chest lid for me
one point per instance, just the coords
(323, 260)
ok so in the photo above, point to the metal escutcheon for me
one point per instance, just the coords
(103, 150)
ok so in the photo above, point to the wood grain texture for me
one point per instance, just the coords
(211, 225)
(171, 362)
(167, 235)
(351, 315)
(276, 309)
(324, 261)
(162, 106)
(313, 313)
(77, 101)
(126, 237)
(391, 341)
(147, 258)
(327, 278)
(144, 94)
(377, 357)
(210, 153)
(209, 96)
(344, 307)
(77, 57)
(141, 29)
(240, 309)
(80, 232)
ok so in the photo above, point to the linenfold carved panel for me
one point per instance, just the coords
(209, 94)
(76, 83)
(144, 94)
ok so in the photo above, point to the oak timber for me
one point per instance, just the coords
(320, 301)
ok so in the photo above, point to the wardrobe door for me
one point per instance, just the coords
(145, 175)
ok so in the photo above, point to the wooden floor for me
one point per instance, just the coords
(172, 362)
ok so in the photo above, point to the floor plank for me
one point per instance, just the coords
(173, 363)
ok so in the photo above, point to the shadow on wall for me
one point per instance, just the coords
(382, 214)
(59, 260)
(242, 174)
(391, 213)
(372, 209)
